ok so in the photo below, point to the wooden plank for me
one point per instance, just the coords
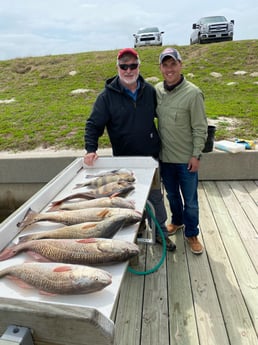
(240, 261)
(209, 318)
(155, 308)
(238, 201)
(252, 189)
(247, 203)
(128, 317)
(235, 314)
(183, 330)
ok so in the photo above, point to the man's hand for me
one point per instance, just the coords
(89, 158)
(193, 164)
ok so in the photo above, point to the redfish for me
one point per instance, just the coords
(55, 278)
(107, 228)
(106, 179)
(95, 214)
(99, 202)
(115, 189)
(75, 251)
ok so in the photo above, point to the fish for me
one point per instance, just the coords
(99, 202)
(53, 278)
(105, 229)
(122, 189)
(108, 173)
(103, 180)
(94, 214)
(110, 187)
(91, 251)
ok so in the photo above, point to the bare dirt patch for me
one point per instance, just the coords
(230, 123)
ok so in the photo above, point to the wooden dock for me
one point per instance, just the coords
(210, 299)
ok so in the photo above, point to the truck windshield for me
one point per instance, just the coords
(145, 30)
(216, 19)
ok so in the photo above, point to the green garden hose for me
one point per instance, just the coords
(164, 247)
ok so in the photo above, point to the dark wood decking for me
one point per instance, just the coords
(210, 299)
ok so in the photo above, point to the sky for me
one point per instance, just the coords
(53, 27)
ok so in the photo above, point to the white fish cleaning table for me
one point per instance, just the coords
(66, 319)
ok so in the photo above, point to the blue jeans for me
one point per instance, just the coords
(181, 187)
(156, 199)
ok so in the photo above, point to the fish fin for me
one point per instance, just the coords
(114, 195)
(89, 226)
(21, 283)
(28, 219)
(63, 268)
(86, 240)
(103, 213)
(45, 293)
(38, 257)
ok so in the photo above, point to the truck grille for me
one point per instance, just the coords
(218, 27)
(147, 38)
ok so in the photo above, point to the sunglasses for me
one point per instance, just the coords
(125, 67)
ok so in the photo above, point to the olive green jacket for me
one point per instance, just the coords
(182, 122)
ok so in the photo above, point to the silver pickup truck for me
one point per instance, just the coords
(212, 29)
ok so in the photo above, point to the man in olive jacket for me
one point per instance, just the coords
(183, 131)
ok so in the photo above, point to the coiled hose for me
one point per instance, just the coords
(164, 247)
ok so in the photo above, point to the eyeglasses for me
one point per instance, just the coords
(125, 67)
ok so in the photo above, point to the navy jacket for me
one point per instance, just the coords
(130, 124)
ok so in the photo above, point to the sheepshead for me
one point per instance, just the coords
(55, 278)
(103, 180)
(75, 251)
(121, 189)
(99, 202)
(94, 214)
(107, 228)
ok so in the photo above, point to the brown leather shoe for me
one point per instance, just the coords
(195, 246)
(172, 228)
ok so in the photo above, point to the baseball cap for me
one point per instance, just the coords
(171, 52)
(127, 51)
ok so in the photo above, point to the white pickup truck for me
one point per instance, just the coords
(212, 29)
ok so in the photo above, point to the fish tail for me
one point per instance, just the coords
(28, 219)
(24, 238)
(80, 185)
(56, 204)
(54, 208)
(86, 196)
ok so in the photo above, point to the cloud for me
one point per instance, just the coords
(33, 28)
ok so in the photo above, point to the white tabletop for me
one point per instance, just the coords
(62, 185)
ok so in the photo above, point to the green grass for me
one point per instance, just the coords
(45, 114)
